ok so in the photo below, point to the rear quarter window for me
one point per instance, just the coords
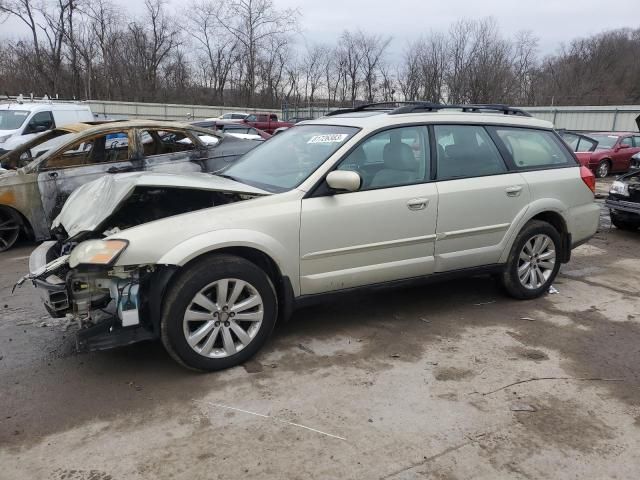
(531, 148)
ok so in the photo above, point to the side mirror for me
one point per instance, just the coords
(344, 180)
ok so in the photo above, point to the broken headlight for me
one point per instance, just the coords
(97, 252)
(620, 188)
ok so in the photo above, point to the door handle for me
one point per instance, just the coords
(53, 174)
(514, 191)
(418, 203)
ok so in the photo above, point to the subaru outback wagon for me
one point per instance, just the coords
(368, 196)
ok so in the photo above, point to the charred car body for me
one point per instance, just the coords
(624, 201)
(44, 172)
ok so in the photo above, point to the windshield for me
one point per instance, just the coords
(288, 158)
(605, 141)
(12, 119)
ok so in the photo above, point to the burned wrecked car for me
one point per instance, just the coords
(624, 201)
(40, 176)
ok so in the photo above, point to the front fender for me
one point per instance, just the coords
(285, 258)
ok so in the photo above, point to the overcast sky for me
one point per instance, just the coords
(552, 21)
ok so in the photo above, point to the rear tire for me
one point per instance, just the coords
(533, 261)
(201, 326)
(604, 168)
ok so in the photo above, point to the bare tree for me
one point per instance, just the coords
(252, 23)
(371, 50)
(148, 45)
(218, 48)
(314, 64)
(350, 56)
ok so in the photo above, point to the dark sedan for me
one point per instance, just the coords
(624, 201)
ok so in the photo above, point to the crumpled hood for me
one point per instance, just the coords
(91, 204)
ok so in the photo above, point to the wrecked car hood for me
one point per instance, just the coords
(91, 204)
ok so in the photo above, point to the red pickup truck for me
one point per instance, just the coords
(267, 122)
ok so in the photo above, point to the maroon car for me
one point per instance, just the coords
(265, 121)
(613, 152)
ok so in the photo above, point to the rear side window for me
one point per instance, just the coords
(636, 141)
(626, 141)
(466, 151)
(534, 148)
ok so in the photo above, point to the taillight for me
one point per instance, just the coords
(588, 178)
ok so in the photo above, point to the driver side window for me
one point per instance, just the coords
(392, 158)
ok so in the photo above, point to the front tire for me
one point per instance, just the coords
(218, 313)
(533, 261)
(9, 228)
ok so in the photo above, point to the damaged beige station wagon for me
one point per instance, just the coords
(372, 196)
(40, 175)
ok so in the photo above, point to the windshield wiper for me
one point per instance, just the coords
(224, 175)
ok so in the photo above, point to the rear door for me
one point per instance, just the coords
(170, 151)
(478, 197)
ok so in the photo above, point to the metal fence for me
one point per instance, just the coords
(608, 118)
(164, 111)
(605, 118)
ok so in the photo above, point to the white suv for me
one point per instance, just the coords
(362, 197)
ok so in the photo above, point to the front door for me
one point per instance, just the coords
(622, 153)
(383, 232)
(87, 159)
(478, 199)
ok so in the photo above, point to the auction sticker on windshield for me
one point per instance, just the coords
(331, 138)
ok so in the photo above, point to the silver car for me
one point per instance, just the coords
(369, 196)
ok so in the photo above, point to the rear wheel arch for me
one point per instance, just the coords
(530, 276)
(557, 221)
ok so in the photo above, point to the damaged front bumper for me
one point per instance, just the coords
(105, 302)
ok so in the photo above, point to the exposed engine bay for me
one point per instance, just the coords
(110, 305)
(147, 204)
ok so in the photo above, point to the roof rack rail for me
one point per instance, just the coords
(378, 106)
(470, 108)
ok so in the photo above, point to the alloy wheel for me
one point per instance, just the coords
(536, 261)
(223, 318)
(603, 169)
(9, 230)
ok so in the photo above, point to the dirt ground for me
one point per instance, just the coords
(413, 383)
